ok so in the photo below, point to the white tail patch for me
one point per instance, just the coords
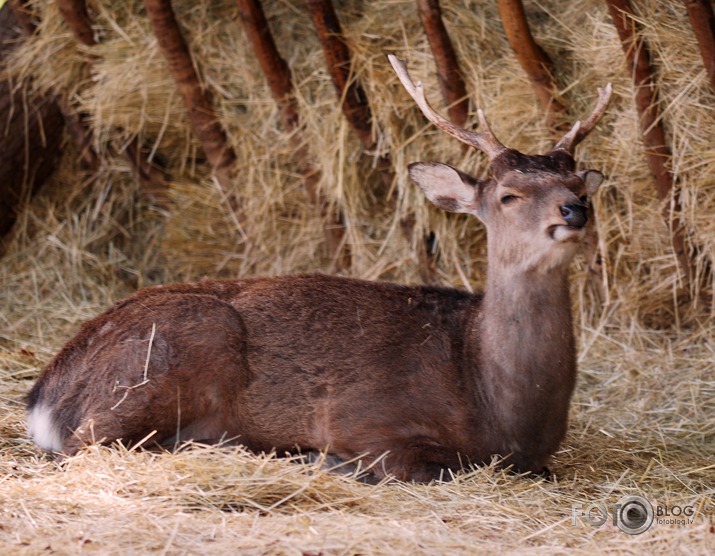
(43, 430)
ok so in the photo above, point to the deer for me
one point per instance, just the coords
(427, 380)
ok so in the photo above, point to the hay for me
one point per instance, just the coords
(644, 411)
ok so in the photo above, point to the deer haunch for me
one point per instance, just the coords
(437, 378)
(175, 360)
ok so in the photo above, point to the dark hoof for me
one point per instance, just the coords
(545, 474)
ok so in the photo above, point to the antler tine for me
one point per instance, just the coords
(485, 141)
(580, 130)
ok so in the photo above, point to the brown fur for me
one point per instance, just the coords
(437, 377)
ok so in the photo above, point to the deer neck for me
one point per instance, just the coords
(525, 317)
(525, 353)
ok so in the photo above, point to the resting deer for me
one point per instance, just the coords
(436, 378)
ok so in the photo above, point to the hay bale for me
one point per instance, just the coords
(643, 415)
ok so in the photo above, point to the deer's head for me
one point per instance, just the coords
(535, 207)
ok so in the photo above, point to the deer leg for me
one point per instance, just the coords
(355, 468)
(415, 460)
(422, 464)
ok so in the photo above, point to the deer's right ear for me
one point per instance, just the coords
(447, 188)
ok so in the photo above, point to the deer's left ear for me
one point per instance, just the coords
(448, 188)
(592, 179)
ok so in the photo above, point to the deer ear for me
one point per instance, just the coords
(592, 179)
(447, 187)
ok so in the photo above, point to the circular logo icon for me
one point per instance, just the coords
(634, 514)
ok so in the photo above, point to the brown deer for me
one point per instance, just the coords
(435, 378)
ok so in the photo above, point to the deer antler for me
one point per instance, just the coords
(485, 140)
(580, 130)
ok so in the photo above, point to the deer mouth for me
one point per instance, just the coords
(564, 233)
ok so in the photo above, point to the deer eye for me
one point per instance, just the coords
(506, 199)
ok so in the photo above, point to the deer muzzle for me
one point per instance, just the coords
(575, 215)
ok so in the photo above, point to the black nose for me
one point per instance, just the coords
(575, 216)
